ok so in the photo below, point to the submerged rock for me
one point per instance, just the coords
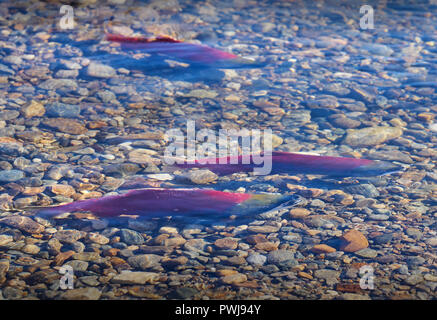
(371, 136)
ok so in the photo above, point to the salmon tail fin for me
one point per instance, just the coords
(52, 211)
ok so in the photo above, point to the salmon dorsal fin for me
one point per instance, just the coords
(165, 39)
(124, 39)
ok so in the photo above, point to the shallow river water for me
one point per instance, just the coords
(81, 118)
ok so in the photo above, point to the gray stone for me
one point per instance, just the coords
(184, 293)
(415, 261)
(5, 239)
(135, 277)
(78, 265)
(330, 276)
(383, 239)
(414, 279)
(5, 69)
(66, 73)
(378, 217)
(86, 293)
(107, 96)
(99, 70)
(414, 233)
(6, 115)
(378, 49)
(11, 175)
(23, 223)
(371, 136)
(202, 176)
(201, 93)
(63, 110)
(282, 258)
(354, 296)
(11, 293)
(69, 236)
(91, 281)
(367, 253)
(144, 261)
(366, 189)
(256, 259)
(131, 237)
(54, 84)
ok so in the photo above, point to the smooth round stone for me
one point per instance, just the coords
(161, 176)
(432, 241)
(63, 110)
(378, 217)
(11, 175)
(366, 189)
(99, 70)
(131, 237)
(256, 259)
(184, 293)
(280, 257)
(168, 230)
(5, 239)
(202, 176)
(144, 261)
(296, 238)
(78, 265)
(414, 261)
(30, 249)
(366, 253)
(383, 239)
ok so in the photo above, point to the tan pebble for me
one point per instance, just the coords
(5, 239)
(30, 191)
(299, 267)
(61, 257)
(33, 109)
(226, 243)
(426, 116)
(267, 246)
(430, 277)
(353, 240)
(256, 238)
(263, 229)
(298, 225)
(233, 98)
(30, 249)
(116, 261)
(313, 232)
(66, 125)
(62, 189)
(179, 261)
(226, 272)
(305, 275)
(347, 259)
(97, 238)
(174, 241)
(168, 230)
(23, 223)
(298, 213)
(236, 260)
(234, 278)
(322, 248)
